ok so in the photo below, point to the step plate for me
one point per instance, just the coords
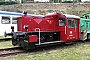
(49, 42)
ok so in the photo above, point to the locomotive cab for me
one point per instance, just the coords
(72, 28)
(85, 26)
(69, 27)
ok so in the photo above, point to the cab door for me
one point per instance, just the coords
(77, 27)
(71, 30)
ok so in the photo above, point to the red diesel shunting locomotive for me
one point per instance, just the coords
(34, 31)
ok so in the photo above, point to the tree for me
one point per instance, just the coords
(79, 0)
(60, 1)
(73, 3)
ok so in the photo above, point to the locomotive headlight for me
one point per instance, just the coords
(12, 27)
(25, 26)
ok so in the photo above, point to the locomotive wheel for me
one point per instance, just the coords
(14, 44)
(5, 34)
(25, 48)
(42, 39)
(14, 35)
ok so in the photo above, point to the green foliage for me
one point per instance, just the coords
(86, 2)
(6, 44)
(23, 1)
(8, 3)
(67, 2)
(79, 0)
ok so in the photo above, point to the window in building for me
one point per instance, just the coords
(5, 20)
(62, 22)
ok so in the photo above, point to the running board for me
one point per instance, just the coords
(49, 42)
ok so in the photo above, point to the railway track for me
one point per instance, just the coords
(5, 39)
(17, 50)
(10, 51)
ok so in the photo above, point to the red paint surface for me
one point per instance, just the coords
(49, 23)
(33, 38)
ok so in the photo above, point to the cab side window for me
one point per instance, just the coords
(62, 22)
(14, 20)
(87, 24)
(71, 24)
(87, 17)
(5, 20)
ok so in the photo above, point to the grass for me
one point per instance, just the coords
(77, 52)
(1, 37)
(6, 44)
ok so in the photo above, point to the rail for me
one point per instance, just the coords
(39, 34)
(5, 39)
(11, 51)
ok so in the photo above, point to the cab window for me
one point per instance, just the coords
(71, 24)
(87, 25)
(76, 23)
(62, 22)
(87, 17)
(14, 20)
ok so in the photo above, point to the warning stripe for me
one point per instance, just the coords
(85, 35)
(85, 38)
(85, 31)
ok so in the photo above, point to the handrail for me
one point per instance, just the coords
(75, 27)
(39, 34)
(65, 29)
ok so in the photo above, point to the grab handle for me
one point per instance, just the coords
(39, 34)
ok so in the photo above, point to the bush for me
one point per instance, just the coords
(86, 1)
(67, 2)
(8, 3)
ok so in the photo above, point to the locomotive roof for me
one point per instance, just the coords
(87, 14)
(17, 14)
(67, 15)
(72, 16)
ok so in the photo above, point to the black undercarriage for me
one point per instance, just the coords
(21, 39)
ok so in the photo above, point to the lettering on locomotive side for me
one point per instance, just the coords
(70, 32)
